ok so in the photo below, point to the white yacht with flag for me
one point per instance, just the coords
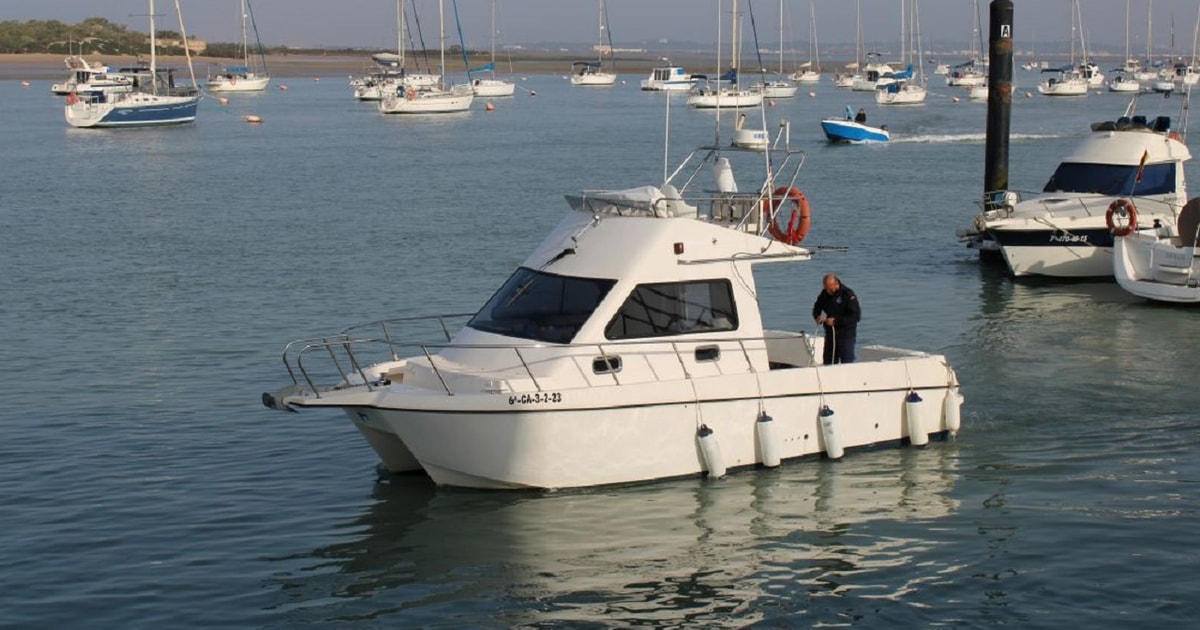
(629, 346)
(1127, 170)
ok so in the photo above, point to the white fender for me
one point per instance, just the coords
(951, 410)
(768, 440)
(833, 442)
(714, 463)
(917, 435)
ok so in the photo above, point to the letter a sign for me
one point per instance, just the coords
(1005, 31)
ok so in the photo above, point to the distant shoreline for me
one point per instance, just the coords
(43, 66)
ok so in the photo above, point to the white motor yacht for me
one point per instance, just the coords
(1066, 230)
(629, 346)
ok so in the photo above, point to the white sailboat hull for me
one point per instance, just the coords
(459, 99)
(807, 76)
(725, 98)
(906, 95)
(251, 83)
(1066, 87)
(778, 89)
(493, 87)
(594, 79)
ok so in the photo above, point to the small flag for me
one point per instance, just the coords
(1141, 167)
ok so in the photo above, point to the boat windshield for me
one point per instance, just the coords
(541, 306)
(1113, 180)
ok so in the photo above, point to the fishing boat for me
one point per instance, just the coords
(593, 73)
(628, 347)
(669, 78)
(850, 131)
(90, 77)
(1158, 261)
(810, 71)
(490, 85)
(246, 77)
(408, 99)
(151, 99)
(1066, 230)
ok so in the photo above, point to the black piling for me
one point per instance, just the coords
(1000, 93)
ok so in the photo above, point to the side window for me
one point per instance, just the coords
(675, 308)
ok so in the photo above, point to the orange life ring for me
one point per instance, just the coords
(798, 223)
(1121, 208)
(410, 94)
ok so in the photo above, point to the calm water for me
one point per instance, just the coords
(151, 278)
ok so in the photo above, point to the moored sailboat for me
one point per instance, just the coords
(251, 76)
(151, 99)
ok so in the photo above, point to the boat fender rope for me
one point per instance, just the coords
(1123, 210)
(798, 223)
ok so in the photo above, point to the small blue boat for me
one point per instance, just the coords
(846, 130)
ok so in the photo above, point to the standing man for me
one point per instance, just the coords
(837, 309)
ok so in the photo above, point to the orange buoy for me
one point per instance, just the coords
(253, 118)
(489, 107)
(222, 100)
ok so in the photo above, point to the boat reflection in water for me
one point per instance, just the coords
(715, 553)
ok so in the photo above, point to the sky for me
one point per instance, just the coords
(372, 23)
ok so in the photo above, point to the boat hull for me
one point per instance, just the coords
(907, 95)
(135, 112)
(725, 99)
(1150, 267)
(238, 84)
(493, 87)
(631, 433)
(1087, 254)
(849, 132)
(427, 102)
(594, 79)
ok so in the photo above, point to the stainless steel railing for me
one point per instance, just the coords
(345, 352)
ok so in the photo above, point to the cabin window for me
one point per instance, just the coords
(541, 306)
(675, 308)
(1113, 180)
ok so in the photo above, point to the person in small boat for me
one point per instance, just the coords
(837, 309)
(861, 116)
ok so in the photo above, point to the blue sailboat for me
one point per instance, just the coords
(150, 99)
(853, 129)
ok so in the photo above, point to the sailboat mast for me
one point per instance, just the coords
(153, 54)
(858, 36)
(493, 36)
(400, 31)
(1127, 31)
(442, 40)
(780, 38)
(245, 38)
